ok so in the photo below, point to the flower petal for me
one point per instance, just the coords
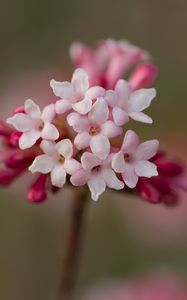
(130, 142)
(118, 162)
(62, 106)
(63, 89)
(71, 166)
(28, 139)
(82, 140)
(89, 160)
(140, 117)
(120, 116)
(48, 147)
(110, 129)
(129, 176)
(32, 109)
(145, 168)
(83, 107)
(65, 148)
(111, 179)
(100, 146)
(123, 90)
(141, 99)
(78, 122)
(97, 186)
(80, 81)
(94, 92)
(49, 132)
(111, 98)
(147, 150)
(99, 112)
(80, 177)
(21, 122)
(42, 163)
(58, 176)
(48, 113)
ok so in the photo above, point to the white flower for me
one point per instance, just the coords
(132, 161)
(34, 124)
(57, 160)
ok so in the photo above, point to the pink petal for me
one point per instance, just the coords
(118, 162)
(62, 106)
(50, 132)
(97, 186)
(130, 142)
(80, 81)
(89, 160)
(28, 139)
(80, 177)
(123, 90)
(63, 90)
(147, 150)
(99, 112)
(141, 99)
(82, 140)
(141, 117)
(78, 122)
(111, 179)
(83, 107)
(65, 148)
(94, 92)
(111, 98)
(48, 113)
(58, 176)
(42, 163)
(71, 166)
(110, 129)
(129, 176)
(21, 122)
(48, 148)
(145, 168)
(32, 109)
(100, 146)
(120, 116)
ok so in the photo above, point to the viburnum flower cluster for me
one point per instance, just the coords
(82, 139)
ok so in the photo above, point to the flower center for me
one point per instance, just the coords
(96, 169)
(127, 157)
(61, 159)
(94, 130)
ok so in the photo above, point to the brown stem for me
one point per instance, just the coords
(73, 243)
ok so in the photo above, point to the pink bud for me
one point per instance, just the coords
(14, 138)
(19, 109)
(8, 175)
(143, 76)
(168, 168)
(4, 130)
(148, 192)
(19, 159)
(37, 192)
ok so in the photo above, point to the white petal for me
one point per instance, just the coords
(123, 90)
(129, 176)
(48, 113)
(71, 166)
(94, 92)
(145, 168)
(49, 148)
(111, 180)
(111, 98)
(65, 148)
(89, 160)
(78, 122)
(97, 186)
(110, 129)
(80, 177)
(63, 89)
(140, 117)
(83, 107)
(118, 162)
(130, 142)
(58, 176)
(62, 106)
(21, 122)
(32, 109)
(120, 116)
(80, 81)
(82, 140)
(99, 112)
(50, 132)
(141, 99)
(42, 163)
(28, 139)
(100, 146)
(147, 150)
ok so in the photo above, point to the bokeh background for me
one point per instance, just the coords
(124, 236)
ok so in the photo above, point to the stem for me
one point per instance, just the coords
(73, 243)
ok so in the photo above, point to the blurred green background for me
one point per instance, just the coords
(35, 39)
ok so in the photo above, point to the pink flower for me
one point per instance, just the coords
(57, 160)
(130, 104)
(75, 94)
(97, 173)
(34, 124)
(95, 129)
(132, 161)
